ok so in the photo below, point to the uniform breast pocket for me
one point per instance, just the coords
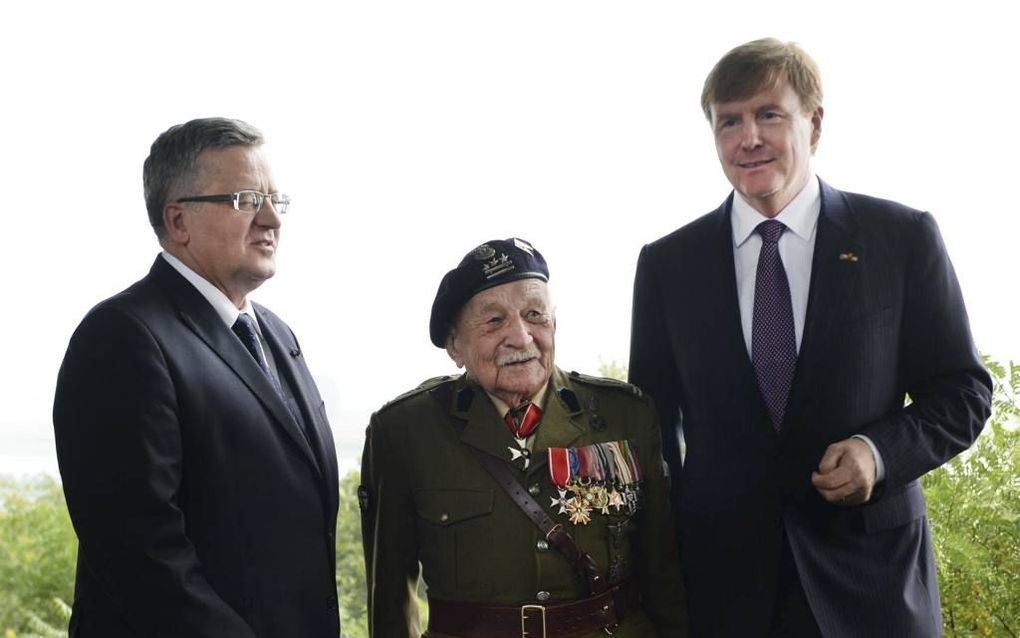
(453, 527)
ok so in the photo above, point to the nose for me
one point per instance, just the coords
(750, 138)
(518, 333)
(267, 215)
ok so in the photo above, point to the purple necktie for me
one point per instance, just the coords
(773, 341)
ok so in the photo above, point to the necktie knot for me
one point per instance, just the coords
(245, 322)
(523, 419)
(770, 230)
(244, 328)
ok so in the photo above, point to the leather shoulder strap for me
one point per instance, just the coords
(554, 532)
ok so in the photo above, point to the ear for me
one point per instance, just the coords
(451, 349)
(816, 126)
(175, 222)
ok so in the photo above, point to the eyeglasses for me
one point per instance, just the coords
(245, 201)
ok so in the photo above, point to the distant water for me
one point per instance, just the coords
(28, 464)
(19, 465)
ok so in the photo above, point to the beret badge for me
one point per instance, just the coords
(497, 266)
(483, 252)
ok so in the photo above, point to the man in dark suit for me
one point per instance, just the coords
(196, 458)
(779, 336)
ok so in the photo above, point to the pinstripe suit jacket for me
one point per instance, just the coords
(886, 322)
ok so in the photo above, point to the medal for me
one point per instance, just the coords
(560, 502)
(600, 477)
(579, 510)
(521, 452)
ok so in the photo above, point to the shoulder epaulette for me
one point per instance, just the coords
(606, 382)
(424, 387)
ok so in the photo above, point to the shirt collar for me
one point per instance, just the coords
(800, 216)
(502, 408)
(225, 308)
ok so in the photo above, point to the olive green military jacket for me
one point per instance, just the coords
(427, 500)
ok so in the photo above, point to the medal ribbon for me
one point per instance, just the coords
(523, 420)
(612, 461)
(559, 466)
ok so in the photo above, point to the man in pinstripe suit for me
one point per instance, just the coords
(780, 335)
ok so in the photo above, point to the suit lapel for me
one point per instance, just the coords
(196, 313)
(723, 311)
(835, 280)
(284, 353)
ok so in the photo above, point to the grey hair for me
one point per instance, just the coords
(173, 158)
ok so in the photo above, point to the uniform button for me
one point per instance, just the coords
(444, 517)
(535, 490)
(542, 545)
(543, 596)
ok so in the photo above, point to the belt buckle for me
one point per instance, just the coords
(524, 619)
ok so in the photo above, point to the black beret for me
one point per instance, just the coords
(494, 263)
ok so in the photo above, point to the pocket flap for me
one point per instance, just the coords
(446, 507)
(894, 510)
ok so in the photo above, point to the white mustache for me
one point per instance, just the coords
(518, 356)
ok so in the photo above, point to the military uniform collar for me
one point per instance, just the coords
(502, 407)
(484, 429)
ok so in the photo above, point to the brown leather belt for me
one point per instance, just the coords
(534, 620)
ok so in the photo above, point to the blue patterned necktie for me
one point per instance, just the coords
(245, 330)
(773, 341)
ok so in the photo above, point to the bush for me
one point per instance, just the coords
(974, 509)
(38, 550)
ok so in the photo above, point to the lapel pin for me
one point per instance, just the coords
(848, 257)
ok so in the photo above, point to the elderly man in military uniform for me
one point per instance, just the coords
(533, 502)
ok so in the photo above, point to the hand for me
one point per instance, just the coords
(846, 473)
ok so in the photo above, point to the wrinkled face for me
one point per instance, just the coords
(504, 336)
(235, 251)
(765, 144)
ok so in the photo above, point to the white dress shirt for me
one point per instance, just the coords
(223, 306)
(796, 249)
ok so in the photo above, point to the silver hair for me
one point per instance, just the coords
(173, 158)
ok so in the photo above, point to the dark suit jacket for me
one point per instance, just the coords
(885, 318)
(200, 507)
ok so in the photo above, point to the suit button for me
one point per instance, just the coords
(542, 545)
(331, 603)
(444, 517)
(535, 490)
(543, 596)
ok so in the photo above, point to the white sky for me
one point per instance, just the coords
(409, 132)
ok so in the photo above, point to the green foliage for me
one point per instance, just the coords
(40, 628)
(350, 561)
(612, 369)
(974, 509)
(38, 550)
(350, 564)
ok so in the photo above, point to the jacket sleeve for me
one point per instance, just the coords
(949, 389)
(388, 536)
(658, 562)
(119, 449)
(652, 367)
